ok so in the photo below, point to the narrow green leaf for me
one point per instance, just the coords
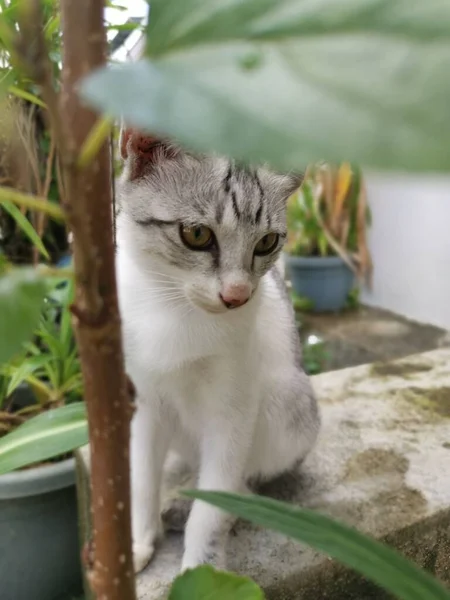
(16, 91)
(26, 227)
(284, 72)
(18, 374)
(372, 559)
(204, 583)
(22, 292)
(46, 436)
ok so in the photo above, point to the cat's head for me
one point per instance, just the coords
(207, 226)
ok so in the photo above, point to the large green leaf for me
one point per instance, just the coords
(292, 81)
(179, 24)
(22, 292)
(46, 436)
(377, 562)
(26, 226)
(204, 583)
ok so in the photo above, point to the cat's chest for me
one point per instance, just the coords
(161, 340)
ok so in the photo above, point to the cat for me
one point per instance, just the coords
(209, 334)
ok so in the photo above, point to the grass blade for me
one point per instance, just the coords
(374, 560)
(26, 227)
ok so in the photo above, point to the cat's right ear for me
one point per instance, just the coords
(142, 151)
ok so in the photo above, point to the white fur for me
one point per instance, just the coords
(216, 388)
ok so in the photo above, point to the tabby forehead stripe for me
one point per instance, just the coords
(258, 183)
(155, 222)
(258, 213)
(235, 206)
(220, 207)
(227, 180)
(261, 199)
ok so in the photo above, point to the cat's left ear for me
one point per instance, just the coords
(284, 184)
(292, 181)
(143, 151)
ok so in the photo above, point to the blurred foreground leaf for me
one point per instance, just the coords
(293, 81)
(22, 292)
(372, 559)
(204, 583)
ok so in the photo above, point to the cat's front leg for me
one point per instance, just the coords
(150, 438)
(224, 452)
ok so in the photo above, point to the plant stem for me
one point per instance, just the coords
(88, 198)
(97, 323)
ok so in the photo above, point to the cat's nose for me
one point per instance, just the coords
(235, 294)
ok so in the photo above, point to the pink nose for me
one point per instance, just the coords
(235, 294)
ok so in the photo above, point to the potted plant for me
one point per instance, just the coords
(326, 250)
(41, 421)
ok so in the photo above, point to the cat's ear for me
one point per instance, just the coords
(283, 184)
(142, 151)
(292, 181)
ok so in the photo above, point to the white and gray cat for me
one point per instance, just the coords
(210, 336)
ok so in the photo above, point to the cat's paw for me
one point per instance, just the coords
(142, 555)
(144, 546)
(175, 514)
(207, 555)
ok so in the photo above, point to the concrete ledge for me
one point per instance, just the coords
(382, 465)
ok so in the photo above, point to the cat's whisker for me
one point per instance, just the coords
(165, 275)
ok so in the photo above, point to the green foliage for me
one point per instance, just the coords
(25, 226)
(49, 361)
(48, 435)
(10, 70)
(204, 583)
(300, 302)
(49, 366)
(372, 559)
(22, 293)
(315, 355)
(353, 300)
(306, 234)
(284, 72)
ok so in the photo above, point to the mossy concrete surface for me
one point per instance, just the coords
(365, 335)
(382, 465)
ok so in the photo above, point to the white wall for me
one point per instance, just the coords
(410, 244)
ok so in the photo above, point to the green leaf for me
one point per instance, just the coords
(16, 91)
(22, 292)
(360, 80)
(46, 436)
(372, 559)
(26, 367)
(204, 583)
(177, 25)
(301, 303)
(25, 226)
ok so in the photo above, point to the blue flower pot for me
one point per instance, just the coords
(325, 281)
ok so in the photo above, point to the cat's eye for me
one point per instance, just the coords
(197, 238)
(267, 244)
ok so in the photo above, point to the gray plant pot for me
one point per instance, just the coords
(326, 281)
(39, 543)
